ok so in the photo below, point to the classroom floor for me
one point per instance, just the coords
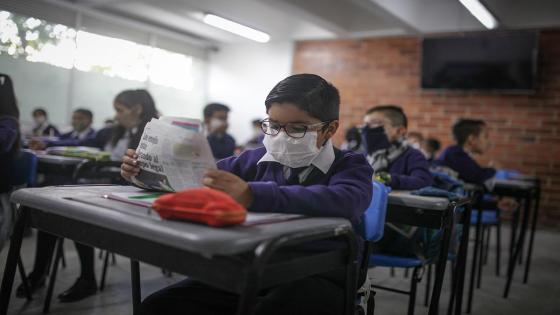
(539, 296)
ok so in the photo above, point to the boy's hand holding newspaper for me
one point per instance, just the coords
(174, 155)
(216, 179)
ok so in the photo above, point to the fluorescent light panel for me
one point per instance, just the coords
(236, 28)
(480, 13)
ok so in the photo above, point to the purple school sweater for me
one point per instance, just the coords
(410, 171)
(8, 137)
(345, 191)
(461, 162)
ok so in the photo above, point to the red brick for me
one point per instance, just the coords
(524, 129)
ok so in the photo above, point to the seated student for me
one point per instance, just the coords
(9, 147)
(398, 165)
(297, 171)
(41, 125)
(134, 109)
(431, 147)
(82, 130)
(352, 140)
(415, 139)
(393, 160)
(471, 138)
(216, 124)
(256, 140)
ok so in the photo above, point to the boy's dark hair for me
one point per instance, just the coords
(39, 111)
(85, 112)
(310, 93)
(395, 114)
(463, 128)
(434, 144)
(211, 108)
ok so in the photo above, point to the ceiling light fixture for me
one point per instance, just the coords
(236, 28)
(481, 13)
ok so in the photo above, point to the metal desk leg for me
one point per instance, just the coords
(24, 281)
(248, 297)
(514, 225)
(477, 245)
(135, 278)
(442, 261)
(54, 269)
(532, 236)
(517, 248)
(462, 259)
(11, 262)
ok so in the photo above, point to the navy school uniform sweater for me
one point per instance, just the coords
(222, 146)
(456, 158)
(345, 191)
(410, 171)
(71, 139)
(8, 136)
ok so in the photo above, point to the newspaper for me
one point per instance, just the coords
(173, 154)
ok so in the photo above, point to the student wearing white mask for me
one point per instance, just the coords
(297, 171)
(216, 123)
(256, 140)
(41, 124)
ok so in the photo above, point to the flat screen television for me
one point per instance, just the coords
(492, 61)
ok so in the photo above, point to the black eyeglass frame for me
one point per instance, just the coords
(266, 121)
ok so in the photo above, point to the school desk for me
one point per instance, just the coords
(436, 213)
(528, 191)
(239, 259)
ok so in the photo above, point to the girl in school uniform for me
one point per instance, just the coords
(133, 110)
(9, 147)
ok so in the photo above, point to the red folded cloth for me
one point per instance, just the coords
(205, 205)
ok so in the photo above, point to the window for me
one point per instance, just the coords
(61, 46)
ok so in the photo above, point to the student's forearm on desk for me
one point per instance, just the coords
(344, 200)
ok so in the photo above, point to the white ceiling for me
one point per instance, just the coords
(320, 19)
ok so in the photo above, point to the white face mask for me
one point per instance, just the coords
(415, 145)
(292, 152)
(40, 120)
(215, 124)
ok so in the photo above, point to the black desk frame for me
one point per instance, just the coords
(440, 219)
(242, 274)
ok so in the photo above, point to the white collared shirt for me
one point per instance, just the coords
(119, 149)
(323, 161)
(80, 135)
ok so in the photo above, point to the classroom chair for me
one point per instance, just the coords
(444, 182)
(371, 229)
(447, 182)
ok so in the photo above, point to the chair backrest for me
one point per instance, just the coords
(507, 174)
(373, 221)
(24, 170)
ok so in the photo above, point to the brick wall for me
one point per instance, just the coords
(525, 129)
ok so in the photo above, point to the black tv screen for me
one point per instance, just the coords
(499, 61)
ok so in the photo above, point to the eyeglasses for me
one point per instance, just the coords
(293, 130)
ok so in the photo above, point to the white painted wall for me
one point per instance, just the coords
(241, 75)
(42, 85)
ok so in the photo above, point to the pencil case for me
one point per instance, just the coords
(203, 205)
